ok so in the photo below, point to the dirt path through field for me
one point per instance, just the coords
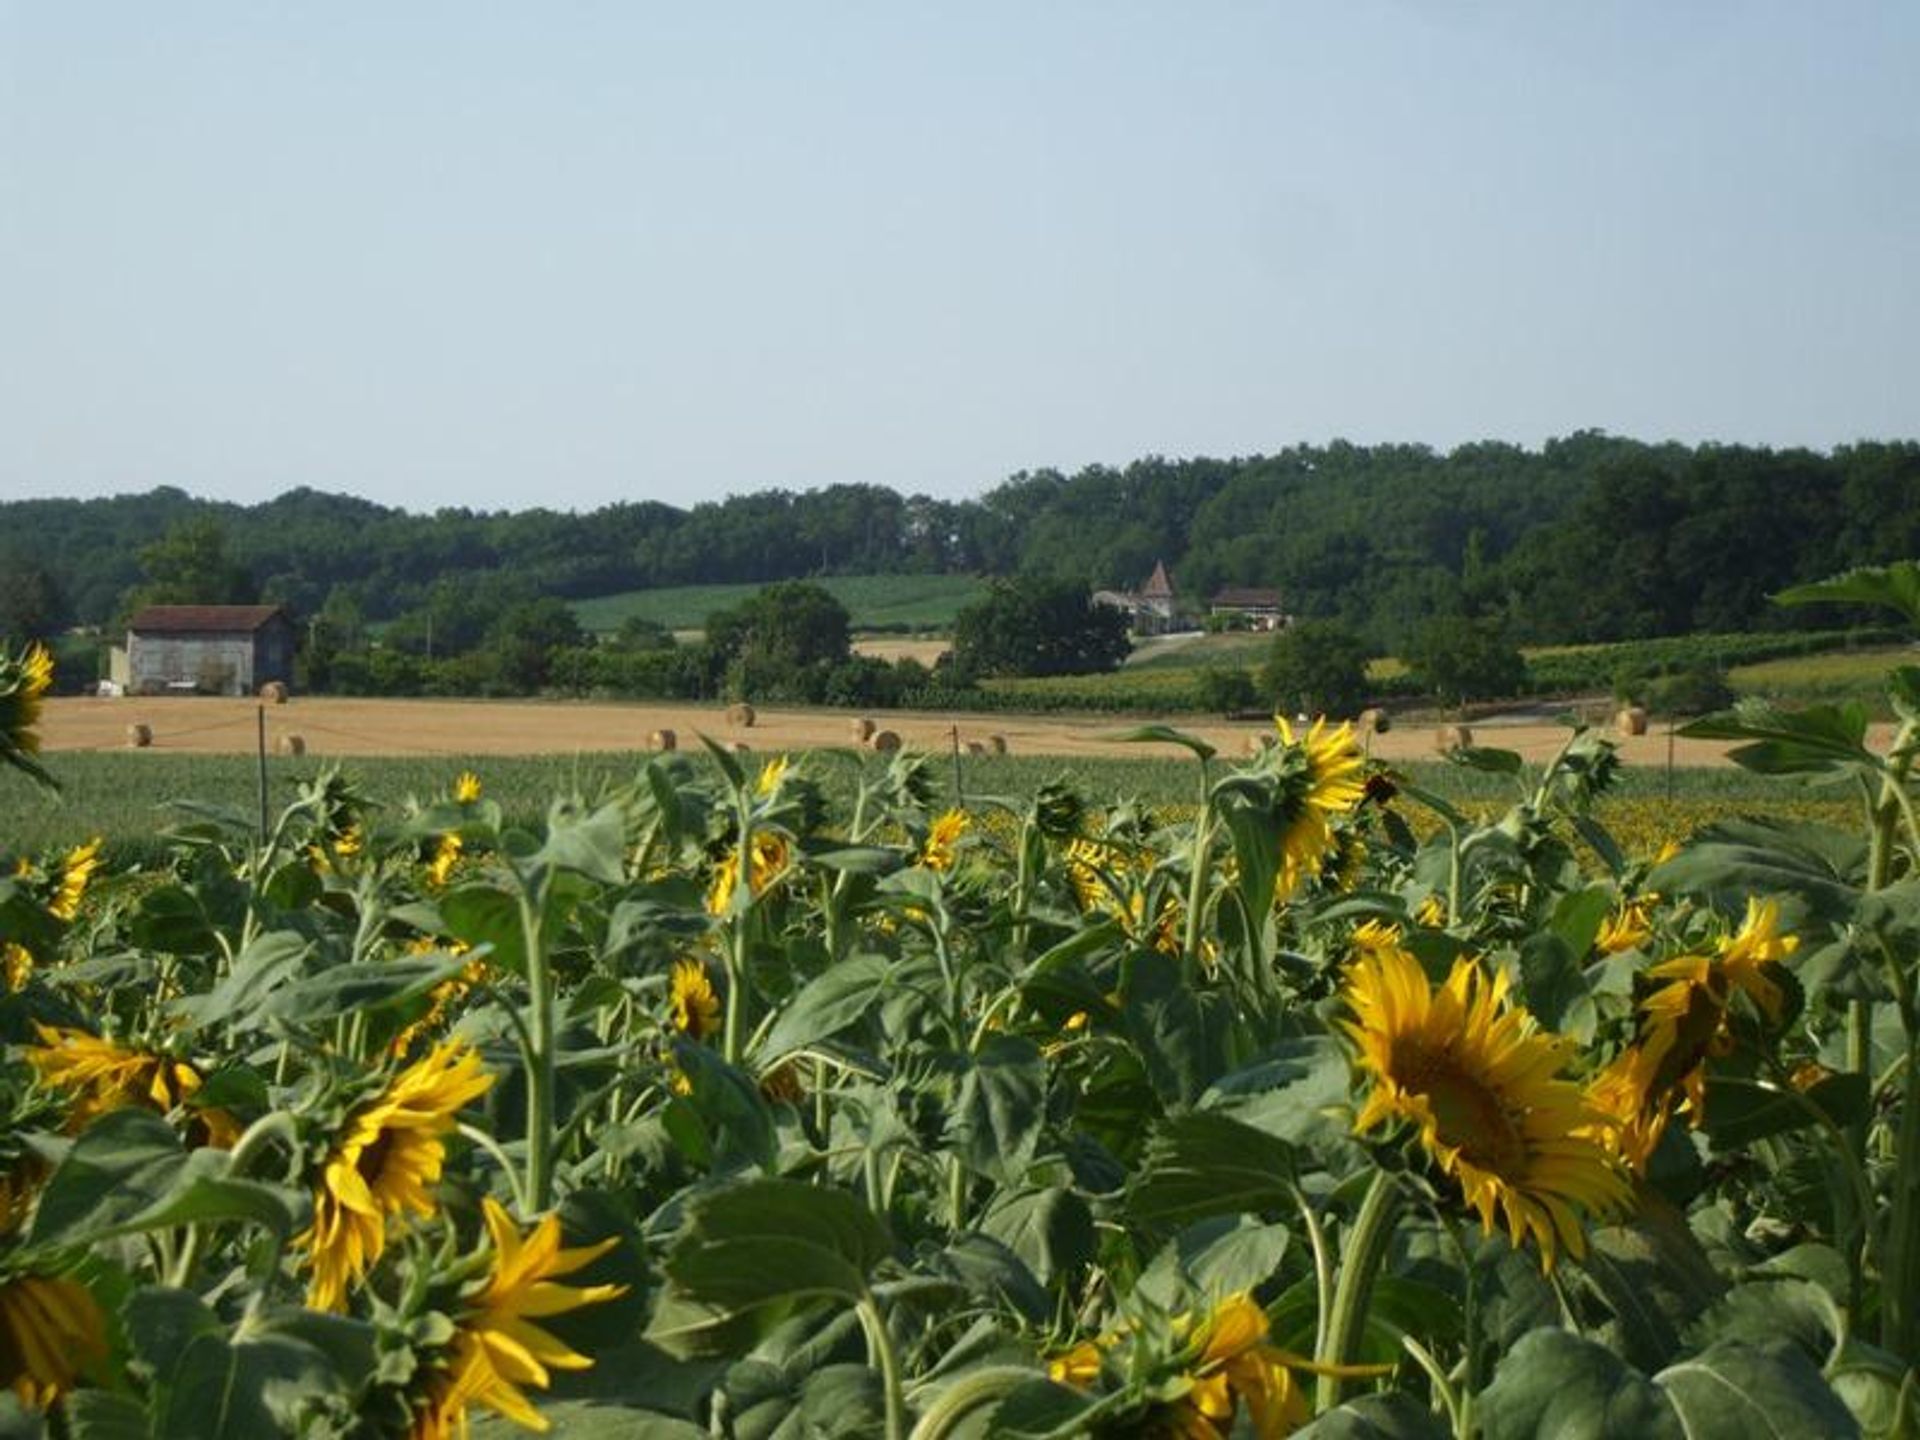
(333, 726)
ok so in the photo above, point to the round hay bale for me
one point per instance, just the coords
(139, 737)
(861, 730)
(274, 692)
(741, 715)
(885, 741)
(1375, 721)
(292, 745)
(997, 744)
(663, 740)
(739, 747)
(1631, 721)
(976, 747)
(1449, 738)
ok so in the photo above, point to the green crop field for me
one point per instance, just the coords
(1807, 679)
(131, 798)
(874, 602)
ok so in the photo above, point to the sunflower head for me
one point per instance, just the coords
(95, 1075)
(1218, 1366)
(384, 1166)
(696, 1008)
(498, 1353)
(51, 1332)
(772, 774)
(1752, 959)
(466, 788)
(1478, 1087)
(75, 872)
(943, 839)
(446, 855)
(1628, 927)
(770, 856)
(1321, 777)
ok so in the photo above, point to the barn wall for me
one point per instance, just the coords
(220, 663)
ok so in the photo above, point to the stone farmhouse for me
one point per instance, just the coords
(1150, 609)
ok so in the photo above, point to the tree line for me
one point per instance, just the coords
(1587, 538)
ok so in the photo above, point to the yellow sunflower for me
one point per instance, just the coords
(97, 1076)
(386, 1163)
(769, 862)
(446, 855)
(1333, 768)
(442, 998)
(696, 1008)
(771, 775)
(1432, 914)
(1682, 1021)
(31, 674)
(1481, 1087)
(51, 1330)
(1226, 1364)
(466, 788)
(16, 964)
(943, 839)
(1235, 1366)
(75, 872)
(497, 1350)
(1627, 928)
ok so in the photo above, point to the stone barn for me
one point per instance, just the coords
(208, 649)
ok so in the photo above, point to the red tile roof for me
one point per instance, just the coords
(202, 619)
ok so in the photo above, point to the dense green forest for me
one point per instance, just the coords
(1587, 538)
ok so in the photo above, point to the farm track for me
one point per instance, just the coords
(456, 728)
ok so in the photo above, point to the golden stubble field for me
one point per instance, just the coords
(356, 727)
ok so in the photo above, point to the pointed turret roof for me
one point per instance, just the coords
(1158, 586)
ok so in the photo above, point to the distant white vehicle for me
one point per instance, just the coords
(109, 689)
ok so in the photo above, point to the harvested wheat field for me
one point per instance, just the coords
(339, 726)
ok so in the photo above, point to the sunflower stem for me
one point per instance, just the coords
(1366, 1250)
(537, 1045)
(734, 953)
(1197, 879)
(880, 1346)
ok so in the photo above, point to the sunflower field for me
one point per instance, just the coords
(708, 1108)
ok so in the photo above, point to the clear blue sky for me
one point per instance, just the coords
(563, 254)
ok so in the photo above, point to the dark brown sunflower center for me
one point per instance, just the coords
(373, 1159)
(1470, 1115)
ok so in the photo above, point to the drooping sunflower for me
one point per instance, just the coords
(1481, 1087)
(1681, 1021)
(75, 873)
(769, 863)
(497, 1351)
(696, 1007)
(943, 839)
(23, 681)
(1234, 1366)
(1328, 770)
(96, 1076)
(51, 1332)
(1225, 1363)
(383, 1166)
